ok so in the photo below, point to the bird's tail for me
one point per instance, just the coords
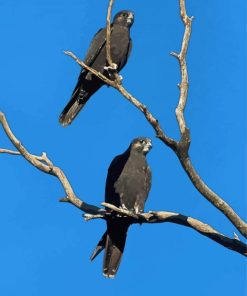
(113, 241)
(78, 100)
(100, 246)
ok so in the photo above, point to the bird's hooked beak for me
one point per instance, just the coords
(130, 18)
(148, 146)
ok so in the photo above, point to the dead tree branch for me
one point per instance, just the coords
(184, 142)
(183, 86)
(108, 34)
(161, 217)
(44, 164)
(181, 147)
(151, 119)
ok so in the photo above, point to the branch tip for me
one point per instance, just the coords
(235, 236)
(64, 199)
(67, 52)
(174, 54)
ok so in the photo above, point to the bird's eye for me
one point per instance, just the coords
(125, 14)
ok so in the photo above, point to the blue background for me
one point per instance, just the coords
(45, 245)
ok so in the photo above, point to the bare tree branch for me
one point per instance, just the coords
(160, 217)
(213, 197)
(181, 148)
(43, 158)
(8, 151)
(151, 119)
(183, 68)
(184, 143)
(112, 66)
(44, 164)
(108, 33)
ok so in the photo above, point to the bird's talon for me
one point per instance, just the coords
(139, 215)
(113, 67)
(123, 207)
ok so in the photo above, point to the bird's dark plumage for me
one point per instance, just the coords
(127, 186)
(88, 83)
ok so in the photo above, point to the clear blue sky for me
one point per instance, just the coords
(45, 246)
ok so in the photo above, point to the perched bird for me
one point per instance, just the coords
(88, 83)
(127, 186)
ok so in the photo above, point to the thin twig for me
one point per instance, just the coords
(108, 33)
(8, 151)
(111, 65)
(43, 158)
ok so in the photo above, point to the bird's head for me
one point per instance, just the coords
(141, 145)
(124, 18)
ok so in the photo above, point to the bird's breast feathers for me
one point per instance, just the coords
(120, 40)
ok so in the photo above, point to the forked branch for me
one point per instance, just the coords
(44, 164)
(184, 143)
(161, 217)
(181, 147)
(141, 107)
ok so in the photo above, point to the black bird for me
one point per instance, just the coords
(127, 186)
(88, 83)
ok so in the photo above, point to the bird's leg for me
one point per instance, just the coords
(136, 210)
(123, 207)
(111, 68)
(113, 73)
(128, 212)
(138, 213)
